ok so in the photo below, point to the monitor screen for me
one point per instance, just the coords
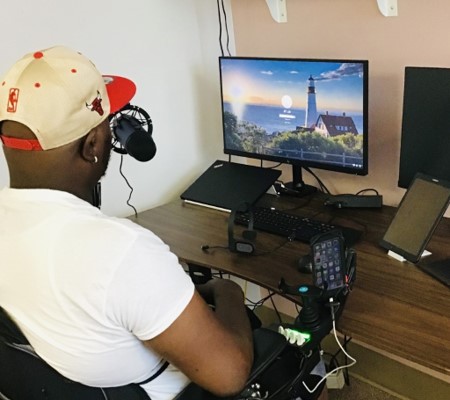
(304, 112)
(425, 138)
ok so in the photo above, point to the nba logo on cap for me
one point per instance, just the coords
(13, 98)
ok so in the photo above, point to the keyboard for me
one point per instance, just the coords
(293, 226)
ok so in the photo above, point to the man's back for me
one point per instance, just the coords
(86, 304)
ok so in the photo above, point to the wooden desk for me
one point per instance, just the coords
(393, 307)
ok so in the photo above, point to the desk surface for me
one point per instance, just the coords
(393, 307)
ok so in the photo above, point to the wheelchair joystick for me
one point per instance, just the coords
(313, 319)
(309, 315)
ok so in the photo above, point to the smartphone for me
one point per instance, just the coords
(328, 261)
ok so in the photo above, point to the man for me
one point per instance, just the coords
(100, 299)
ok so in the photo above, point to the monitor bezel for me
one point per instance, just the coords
(300, 162)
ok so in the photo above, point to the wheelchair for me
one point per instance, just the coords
(284, 357)
(24, 375)
(279, 369)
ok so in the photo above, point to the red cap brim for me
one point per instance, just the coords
(120, 91)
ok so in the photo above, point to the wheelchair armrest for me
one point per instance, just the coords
(268, 345)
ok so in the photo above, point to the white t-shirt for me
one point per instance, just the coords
(86, 289)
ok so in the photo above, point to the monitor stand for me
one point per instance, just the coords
(297, 187)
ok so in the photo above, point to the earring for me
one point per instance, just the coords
(95, 160)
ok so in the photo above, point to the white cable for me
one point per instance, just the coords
(336, 369)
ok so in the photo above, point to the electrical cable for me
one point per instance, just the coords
(129, 185)
(260, 302)
(346, 375)
(226, 27)
(275, 166)
(220, 28)
(367, 190)
(206, 247)
(276, 311)
(321, 184)
(353, 361)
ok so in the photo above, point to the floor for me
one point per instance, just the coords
(359, 390)
(356, 390)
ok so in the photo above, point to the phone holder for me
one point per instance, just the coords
(319, 307)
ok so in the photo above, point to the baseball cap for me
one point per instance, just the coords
(60, 95)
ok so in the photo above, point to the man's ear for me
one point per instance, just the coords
(89, 146)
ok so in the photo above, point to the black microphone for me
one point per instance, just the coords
(136, 141)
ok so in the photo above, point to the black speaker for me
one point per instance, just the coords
(245, 245)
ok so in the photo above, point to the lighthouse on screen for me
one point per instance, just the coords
(311, 108)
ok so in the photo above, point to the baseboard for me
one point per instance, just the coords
(379, 370)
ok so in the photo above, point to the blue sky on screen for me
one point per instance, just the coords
(339, 85)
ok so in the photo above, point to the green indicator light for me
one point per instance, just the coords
(304, 335)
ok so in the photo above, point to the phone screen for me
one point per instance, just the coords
(328, 266)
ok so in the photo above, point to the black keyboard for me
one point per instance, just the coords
(293, 226)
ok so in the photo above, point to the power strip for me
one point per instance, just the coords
(336, 380)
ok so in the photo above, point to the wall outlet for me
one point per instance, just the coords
(336, 380)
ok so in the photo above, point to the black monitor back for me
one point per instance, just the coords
(425, 140)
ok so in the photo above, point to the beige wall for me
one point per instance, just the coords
(419, 36)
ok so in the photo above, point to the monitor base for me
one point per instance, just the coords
(296, 190)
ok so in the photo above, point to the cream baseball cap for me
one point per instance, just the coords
(60, 95)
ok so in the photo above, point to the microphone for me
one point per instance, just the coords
(132, 130)
(204, 247)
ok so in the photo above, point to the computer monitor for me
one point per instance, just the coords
(303, 112)
(425, 136)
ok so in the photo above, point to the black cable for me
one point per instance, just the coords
(260, 302)
(272, 167)
(220, 28)
(346, 374)
(206, 247)
(128, 183)
(276, 311)
(226, 28)
(332, 362)
(321, 184)
(367, 190)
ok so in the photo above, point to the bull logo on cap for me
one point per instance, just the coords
(96, 104)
